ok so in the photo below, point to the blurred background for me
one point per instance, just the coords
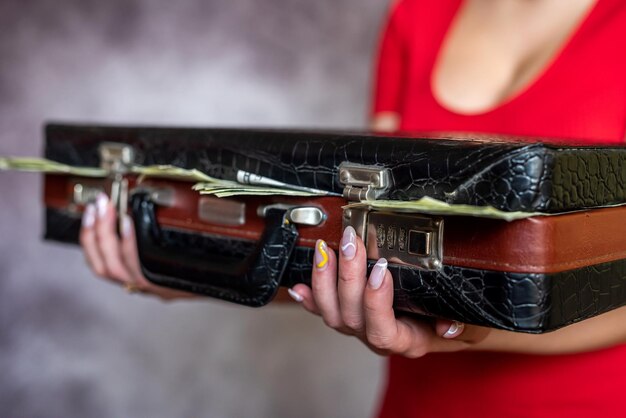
(72, 345)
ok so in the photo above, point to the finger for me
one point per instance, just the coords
(449, 329)
(88, 241)
(324, 285)
(352, 279)
(454, 335)
(383, 331)
(108, 241)
(303, 294)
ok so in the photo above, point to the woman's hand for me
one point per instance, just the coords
(352, 304)
(113, 258)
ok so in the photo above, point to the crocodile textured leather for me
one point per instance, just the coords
(513, 301)
(532, 303)
(509, 175)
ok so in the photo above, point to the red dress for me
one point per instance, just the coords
(580, 95)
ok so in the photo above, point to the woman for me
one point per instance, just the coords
(548, 68)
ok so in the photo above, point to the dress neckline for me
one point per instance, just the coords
(528, 87)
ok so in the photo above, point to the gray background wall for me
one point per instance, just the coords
(74, 346)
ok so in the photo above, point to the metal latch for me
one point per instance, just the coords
(86, 191)
(117, 159)
(301, 215)
(402, 238)
(363, 182)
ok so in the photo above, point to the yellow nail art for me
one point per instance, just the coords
(323, 254)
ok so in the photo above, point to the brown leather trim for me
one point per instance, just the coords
(183, 214)
(543, 244)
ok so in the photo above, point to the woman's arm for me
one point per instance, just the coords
(603, 331)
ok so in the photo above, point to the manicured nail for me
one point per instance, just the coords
(321, 255)
(89, 215)
(378, 274)
(295, 295)
(101, 202)
(348, 243)
(126, 226)
(455, 330)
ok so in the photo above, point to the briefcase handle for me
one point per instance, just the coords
(253, 281)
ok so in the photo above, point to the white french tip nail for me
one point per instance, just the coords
(126, 226)
(101, 202)
(455, 329)
(295, 295)
(378, 274)
(89, 216)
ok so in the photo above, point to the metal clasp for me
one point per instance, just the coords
(363, 182)
(117, 159)
(86, 191)
(301, 215)
(403, 238)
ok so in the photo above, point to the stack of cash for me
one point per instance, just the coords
(256, 185)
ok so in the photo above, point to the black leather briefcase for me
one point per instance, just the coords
(533, 274)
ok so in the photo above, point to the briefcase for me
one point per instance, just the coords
(561, 259)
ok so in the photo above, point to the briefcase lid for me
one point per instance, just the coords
(507, 173)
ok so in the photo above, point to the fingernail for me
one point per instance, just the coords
(348, 243)
(378, 274)
(321, 255)
(295, 295)
(455, 330)
(126, 226)
(89, 215)
(101, 202)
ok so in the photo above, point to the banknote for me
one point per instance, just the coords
(254, 184)
(220, 190)
(244, 177)
(42, 165)
(174, 173)
(432, 206)
(250, 191)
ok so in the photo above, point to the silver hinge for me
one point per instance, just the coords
(117, 159)
(363, 182)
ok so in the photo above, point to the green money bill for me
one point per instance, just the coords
(432, 206)
(41, 165)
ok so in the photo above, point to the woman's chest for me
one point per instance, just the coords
(579, 93)
(492, 50)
